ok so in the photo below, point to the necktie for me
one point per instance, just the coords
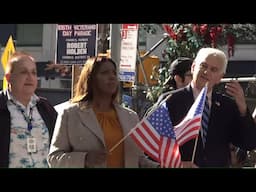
(205, 120)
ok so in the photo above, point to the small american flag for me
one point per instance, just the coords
(189, 127)
(155, 135)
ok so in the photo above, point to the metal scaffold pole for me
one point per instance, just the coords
(115, 47)
(115, 42)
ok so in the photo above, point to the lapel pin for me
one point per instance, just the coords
(217, 103)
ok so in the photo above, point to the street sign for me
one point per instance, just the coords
(8, 51)
(127, 66)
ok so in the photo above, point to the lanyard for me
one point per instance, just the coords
(28, 119)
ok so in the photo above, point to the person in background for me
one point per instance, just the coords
(180, 76)
(87, 132)
(27, 120)
(180, 73)
(230, 120)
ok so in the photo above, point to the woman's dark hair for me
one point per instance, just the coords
(83, 90)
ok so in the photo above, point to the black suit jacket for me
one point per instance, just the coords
(47, 112)
(225, 126)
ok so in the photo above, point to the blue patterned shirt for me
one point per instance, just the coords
(19, 157)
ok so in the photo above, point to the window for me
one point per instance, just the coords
(5, 31)
(29, 34)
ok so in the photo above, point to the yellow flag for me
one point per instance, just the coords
(8, 51)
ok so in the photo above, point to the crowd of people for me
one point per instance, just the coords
(90, 131)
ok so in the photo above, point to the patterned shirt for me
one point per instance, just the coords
(19, 157)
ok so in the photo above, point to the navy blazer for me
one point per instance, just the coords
(225, 126)
(45, 109)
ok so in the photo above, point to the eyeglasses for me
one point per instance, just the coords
(204, 66)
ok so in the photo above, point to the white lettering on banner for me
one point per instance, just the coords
(77, 45)
(66, 33)
(76, 51)
(67, 57)
(82, 33)
(80, 57)
(84, 27)
(82, 39)
(71, 40)
(64, 27)
(76, 48)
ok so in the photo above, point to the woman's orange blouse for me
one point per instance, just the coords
(112, 134)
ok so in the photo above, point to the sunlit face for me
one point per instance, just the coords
(210, 70)
(106, 82)
(23, 78)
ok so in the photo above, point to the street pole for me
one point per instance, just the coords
(115, 49)
(115, 42)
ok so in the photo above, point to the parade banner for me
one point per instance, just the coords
(76, 43)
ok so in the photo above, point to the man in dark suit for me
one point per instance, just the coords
(230, 120)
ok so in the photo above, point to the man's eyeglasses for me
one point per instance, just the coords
(204, 66)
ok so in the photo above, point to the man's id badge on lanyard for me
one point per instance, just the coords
(31, 144)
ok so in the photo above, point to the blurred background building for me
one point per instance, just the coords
(40, 41)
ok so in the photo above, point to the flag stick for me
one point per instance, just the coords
(194, 150)
(196, 141)
(150, 112)
(115, 146)
(158, 103)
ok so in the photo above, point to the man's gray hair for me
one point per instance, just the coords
(203, 53)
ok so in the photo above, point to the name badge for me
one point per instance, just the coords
(31, 145)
